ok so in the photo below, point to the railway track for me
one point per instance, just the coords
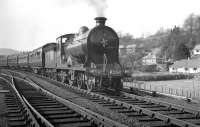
(145, 110)
(17, 112)
(51, 110)
(54, 112)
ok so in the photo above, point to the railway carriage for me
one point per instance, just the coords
(3, 61)
(23, 60)
(50, 60)
(13, 61)
(50, 55)
(37, 59)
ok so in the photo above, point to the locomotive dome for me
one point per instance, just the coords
(83, 29)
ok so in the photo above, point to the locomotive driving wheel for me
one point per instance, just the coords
(70, 82)
(63, 79)
(90, 83)
(79, 83)
(62, 76)
(79, 80)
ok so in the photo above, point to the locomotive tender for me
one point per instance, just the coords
(88, 59)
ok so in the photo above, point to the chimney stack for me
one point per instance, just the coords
(100, 21)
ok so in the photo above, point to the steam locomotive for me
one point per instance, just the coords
(88, 59)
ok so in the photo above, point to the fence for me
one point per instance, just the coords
(194, 94)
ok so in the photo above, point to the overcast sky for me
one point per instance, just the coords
(28, 24)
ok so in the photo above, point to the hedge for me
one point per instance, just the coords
(161, 77)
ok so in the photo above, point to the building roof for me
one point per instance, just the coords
(150, 55)
(192, 63)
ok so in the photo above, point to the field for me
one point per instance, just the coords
(189, 88)
(178, 84)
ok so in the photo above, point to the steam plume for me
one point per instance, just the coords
(99, 5)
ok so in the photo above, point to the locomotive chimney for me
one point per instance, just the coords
(100, 21)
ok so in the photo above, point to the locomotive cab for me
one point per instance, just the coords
(62, 41)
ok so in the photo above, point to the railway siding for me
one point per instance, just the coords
(153, 114)
(87, 114)
(18, 113)
(3, 91)
(169, 105)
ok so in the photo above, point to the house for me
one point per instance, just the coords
(130, 48)
(196, 50)
(152, 58)
(186, 66)
(149, 59)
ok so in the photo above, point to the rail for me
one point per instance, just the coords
(29, 115)
(142, 110)
(182, 108)
(44, 121)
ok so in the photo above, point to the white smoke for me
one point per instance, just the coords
(100, 6)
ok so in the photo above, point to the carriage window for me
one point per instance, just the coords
(38, 53)
(64, 40)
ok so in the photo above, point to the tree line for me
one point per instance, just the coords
(175, 43)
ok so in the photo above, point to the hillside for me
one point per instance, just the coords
(7, 51)
(144, 44)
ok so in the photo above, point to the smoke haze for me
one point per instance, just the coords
(100, 6)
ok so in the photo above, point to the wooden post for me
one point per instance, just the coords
(182, 92)
(150, 87)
